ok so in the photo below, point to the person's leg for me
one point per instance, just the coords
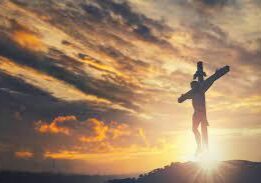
(204, 132)
(195, 124)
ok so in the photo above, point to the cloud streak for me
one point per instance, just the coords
(23, 154)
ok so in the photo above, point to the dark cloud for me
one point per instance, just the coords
(219, 42)
(95, 11)
(104, 14)
(20, 86)
(53, 67)
(208, 8)
(216, 2)
(144, 31)
(19, 96)
(125, 63)
(123, 13)
(258, 3)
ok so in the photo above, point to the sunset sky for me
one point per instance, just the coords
(92, 85)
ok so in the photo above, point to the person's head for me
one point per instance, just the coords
(194, 84)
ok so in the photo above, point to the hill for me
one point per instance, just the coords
(28, 177)
(234, 171)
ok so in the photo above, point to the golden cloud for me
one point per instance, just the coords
(118, 130)
(100, 142)
(54, 126)
(118, 153)
(98, 131)
(91, 130)
(28, 40)
(97, 141)
(101, 132)
(24, 154)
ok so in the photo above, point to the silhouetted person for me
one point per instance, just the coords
(197, 94)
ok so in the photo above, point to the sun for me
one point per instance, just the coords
(208, 161)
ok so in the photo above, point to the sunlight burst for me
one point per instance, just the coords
(207, 161)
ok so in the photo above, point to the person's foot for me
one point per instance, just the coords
(198, 151)
(205, 149)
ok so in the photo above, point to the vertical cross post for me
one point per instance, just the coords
(200, 74)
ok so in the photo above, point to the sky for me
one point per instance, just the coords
(91, 86)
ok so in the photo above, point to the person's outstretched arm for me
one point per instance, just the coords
(210, 80)
(185, 96)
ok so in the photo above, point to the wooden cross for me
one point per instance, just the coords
(197, 94)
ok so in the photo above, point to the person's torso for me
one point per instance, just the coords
(198, 101)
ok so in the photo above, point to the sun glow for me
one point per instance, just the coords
(208, 161)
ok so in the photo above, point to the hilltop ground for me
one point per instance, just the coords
(236, 171)
(27, 177)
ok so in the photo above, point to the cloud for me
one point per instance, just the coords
(96, 141)
(28, 40)
(37, 79)
(215, 2)
(122, 14)
(96, 75)
(23, 154)
(19, 85)
(143, 136)
(111, 132)
(55, 127)
(97, 131)
(117, 154)
(91, 130)
(86, 139)
(94, 11)
(91, 136)
(71, 74)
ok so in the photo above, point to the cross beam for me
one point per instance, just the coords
(205, 84)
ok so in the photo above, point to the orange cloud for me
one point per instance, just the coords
(98, 131)
(54, 127)
(28, 40)
(89, 131)
(95, 141)
(118, 130)
(23, 154)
